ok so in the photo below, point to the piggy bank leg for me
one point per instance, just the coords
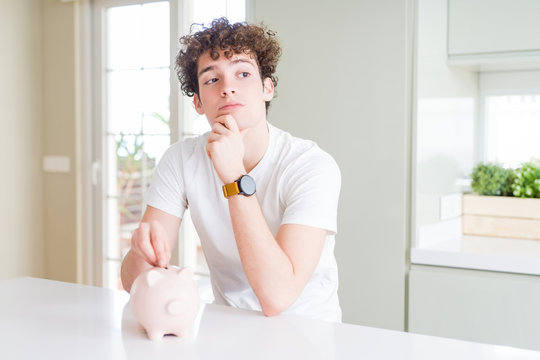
(178, 334)
(183, 334)
(155, 335)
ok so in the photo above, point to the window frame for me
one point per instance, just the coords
(96, 258)
(91, 59)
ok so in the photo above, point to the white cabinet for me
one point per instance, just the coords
(483, 306)
(494, 31)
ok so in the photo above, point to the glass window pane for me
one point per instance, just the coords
(236, 10)
(155, 35)
(154, 148)
(511, 120)
(125, 101)
(124, 33)
(138, 98)
(204, 11)
(138, 36)
(156, 123)
(156, 102)
(130, 162)
(137, 91)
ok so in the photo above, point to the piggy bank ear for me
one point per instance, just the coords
(185, 271)
(153, 276)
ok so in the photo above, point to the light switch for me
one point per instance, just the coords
(56, 164)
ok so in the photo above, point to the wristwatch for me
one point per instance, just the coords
(245, 185)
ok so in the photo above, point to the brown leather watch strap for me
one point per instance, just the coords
(231, 189)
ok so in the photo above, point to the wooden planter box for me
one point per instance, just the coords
(501, 216)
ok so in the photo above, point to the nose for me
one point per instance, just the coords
(227, 88)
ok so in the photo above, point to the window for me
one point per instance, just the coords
(463, 116)
(512, 128)
(139, 114)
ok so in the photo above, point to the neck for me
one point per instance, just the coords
(256, 143)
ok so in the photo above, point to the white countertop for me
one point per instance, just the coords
(43, 319)
(482, 253)
(443, 244)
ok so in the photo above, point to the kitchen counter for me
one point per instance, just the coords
(443, 244)
(44, 319)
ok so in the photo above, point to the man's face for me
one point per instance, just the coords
(232, 87)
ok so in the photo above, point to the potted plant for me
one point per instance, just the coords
(526, 183)
(506, 202)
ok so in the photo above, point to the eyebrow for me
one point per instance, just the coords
(212, 67)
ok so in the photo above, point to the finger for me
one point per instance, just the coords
(167, 253)
(228, 121)
(164, 261)
(219, 128)
(231, 124)
(212, 137)
(142, 244)
(159, 243)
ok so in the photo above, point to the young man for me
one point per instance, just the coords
(263, 202)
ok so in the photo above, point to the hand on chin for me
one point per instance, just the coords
(225, 147)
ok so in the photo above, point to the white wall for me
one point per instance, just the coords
(59, 136)
(21, 206)
(38, 210)
(343, 82)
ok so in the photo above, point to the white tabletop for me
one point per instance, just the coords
(43, 319)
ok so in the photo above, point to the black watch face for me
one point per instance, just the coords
(246, 185)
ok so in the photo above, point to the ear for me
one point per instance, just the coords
(268, 89)
(198, 104)
(153, 276)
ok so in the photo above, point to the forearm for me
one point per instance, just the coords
(269, 270)
(150, 244)
(132, 266)
(277, 268)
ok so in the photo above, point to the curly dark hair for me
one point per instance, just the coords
(257, 41)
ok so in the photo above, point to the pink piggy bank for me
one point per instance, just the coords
(165, 301)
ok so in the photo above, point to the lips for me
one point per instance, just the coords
(231, 106)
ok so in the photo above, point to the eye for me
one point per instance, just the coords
(211, 81)
(244, 74)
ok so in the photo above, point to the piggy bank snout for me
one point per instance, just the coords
(176, 307)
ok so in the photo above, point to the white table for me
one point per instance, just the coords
(43, 319)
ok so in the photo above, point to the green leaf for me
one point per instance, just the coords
(492, 179)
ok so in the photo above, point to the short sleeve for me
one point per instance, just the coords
(167, 192)
(311, 191)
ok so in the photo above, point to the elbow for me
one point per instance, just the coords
(269, 312)
(274, 308)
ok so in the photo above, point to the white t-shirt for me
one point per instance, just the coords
(297, 183)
